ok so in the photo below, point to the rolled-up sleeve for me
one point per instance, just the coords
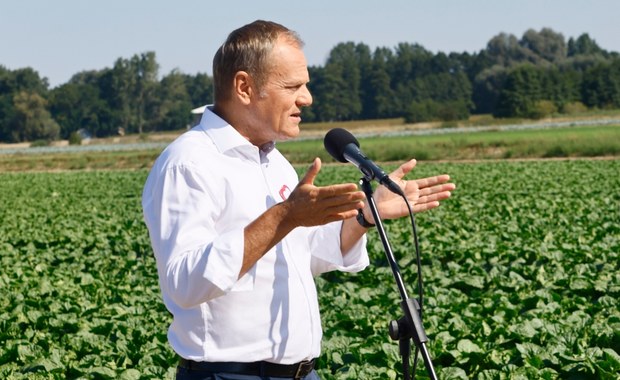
(326, 254)
(196, 263)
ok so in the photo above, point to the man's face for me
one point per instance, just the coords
(277, 108)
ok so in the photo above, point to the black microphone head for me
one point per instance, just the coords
(336, 140)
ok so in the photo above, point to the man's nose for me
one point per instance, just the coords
(305, 98)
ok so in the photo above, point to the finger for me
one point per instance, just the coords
(337, 208)
(434, 197)
(436, 189)
(340, 216)
(432, 181)
(312, 172)
(420, 207)
(348, 190)
(403, 169)
(345, 209)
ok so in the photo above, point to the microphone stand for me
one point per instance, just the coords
(409, 326)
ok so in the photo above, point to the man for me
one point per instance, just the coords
(237, 237)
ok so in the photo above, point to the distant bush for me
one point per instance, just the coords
(452, 111)
(38, 143)
(574, 108)
(542, 109)
(421, 111)
(449, 124)
(556, 151)
(75, 139)
(430, 110)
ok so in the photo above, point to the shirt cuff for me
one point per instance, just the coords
(326, 254)
(224, 262)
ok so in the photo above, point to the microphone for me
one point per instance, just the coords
(343, 146)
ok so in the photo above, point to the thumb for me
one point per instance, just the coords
(312, 172)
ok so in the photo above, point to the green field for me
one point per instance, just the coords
(521, 270)
(596, 140)
(586, 141)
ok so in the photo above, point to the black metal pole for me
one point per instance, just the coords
(410, 326)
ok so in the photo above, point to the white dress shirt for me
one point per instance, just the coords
(203, 190)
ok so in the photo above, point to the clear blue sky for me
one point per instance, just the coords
(62, 37)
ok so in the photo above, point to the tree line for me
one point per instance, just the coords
(532, 77)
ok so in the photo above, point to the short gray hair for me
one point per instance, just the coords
(248, 49)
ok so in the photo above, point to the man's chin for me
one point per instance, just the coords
(289, 135)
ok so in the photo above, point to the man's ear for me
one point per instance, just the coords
(243, 86)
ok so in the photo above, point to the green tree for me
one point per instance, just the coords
(344, 63)
(601, 85)
(32, 120)
(77, 105)
(411, 61)
(128, 88)
(16, 86)
(547, 44)
(329, 97)
(336, 87)
(378, 100)
(144, 69)
(199, 88)
(115, 88)
(584, 45)
(505, 50)
(561, 86)
(522, 89)
(174, 106)
(7, 115)
(307, 113)
(24, 79)
(6, 104)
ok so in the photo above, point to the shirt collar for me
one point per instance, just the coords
(267, 147)
(226, 137)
